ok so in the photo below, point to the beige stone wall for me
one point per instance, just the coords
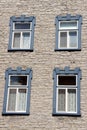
(42, 61)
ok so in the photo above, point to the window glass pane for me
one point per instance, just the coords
(67, 25)
(72, 100)
(73, 39)
(16, 41)
(63, 39)
(61, 100)
(26, 40)
(66, 80)
(11, 100)
(18, 80)
(22, 100)
(22, 25)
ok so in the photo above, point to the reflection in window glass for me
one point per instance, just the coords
(26, 40)
(12, 100)
(22, 26)
(18, 80)
(16, 42)
(63, 39)
(73, 39)
(68, 24)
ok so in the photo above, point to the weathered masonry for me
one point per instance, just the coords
(43, 68)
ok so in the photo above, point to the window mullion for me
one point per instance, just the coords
(13, 26)
(59, 39)
(68, 39)
(26, 98)
(13, 38)
(57, 99)
(76, 87)
(76, 99)
(16, 106)
(7, 99)
(66, 100)
(30, 39)
(21, 40)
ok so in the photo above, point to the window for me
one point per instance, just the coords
(68, 32)
(66, 97)
(21, 33)
(17, 91)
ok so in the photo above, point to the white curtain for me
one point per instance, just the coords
(72, 100)
(12, 100)
(22, 100)
(61, 100)
(26, 40)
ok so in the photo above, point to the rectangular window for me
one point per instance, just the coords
(66, 80)
(66, 93)
(17, 91)
(66, 101)
(18, 80)
(17, 100)
(66, 96)
(68, 25)
(21, 36)
(68, 32)
(22, 26)
(68, 35)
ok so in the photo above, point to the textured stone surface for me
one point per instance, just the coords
(42, 61)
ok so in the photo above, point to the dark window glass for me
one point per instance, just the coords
(22, 26)
(66, 80)
(18, 80)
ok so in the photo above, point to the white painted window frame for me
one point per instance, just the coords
(72, 29)
(17, 101)
(21, 31)
(18, 84)
(17, 87)
(66, 88)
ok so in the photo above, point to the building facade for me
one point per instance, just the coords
(43, 69)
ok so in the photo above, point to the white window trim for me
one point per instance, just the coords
(17, 94)
(68, 44)
(21, 31)
(66, 85)
(70, 28)
(17, 87)
(66, 101)
(18, 84)
(66, 88)
(21, 39)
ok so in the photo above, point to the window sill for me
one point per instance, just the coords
(68, 49)
(11, 50)
(67, 114)
(14, 114)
